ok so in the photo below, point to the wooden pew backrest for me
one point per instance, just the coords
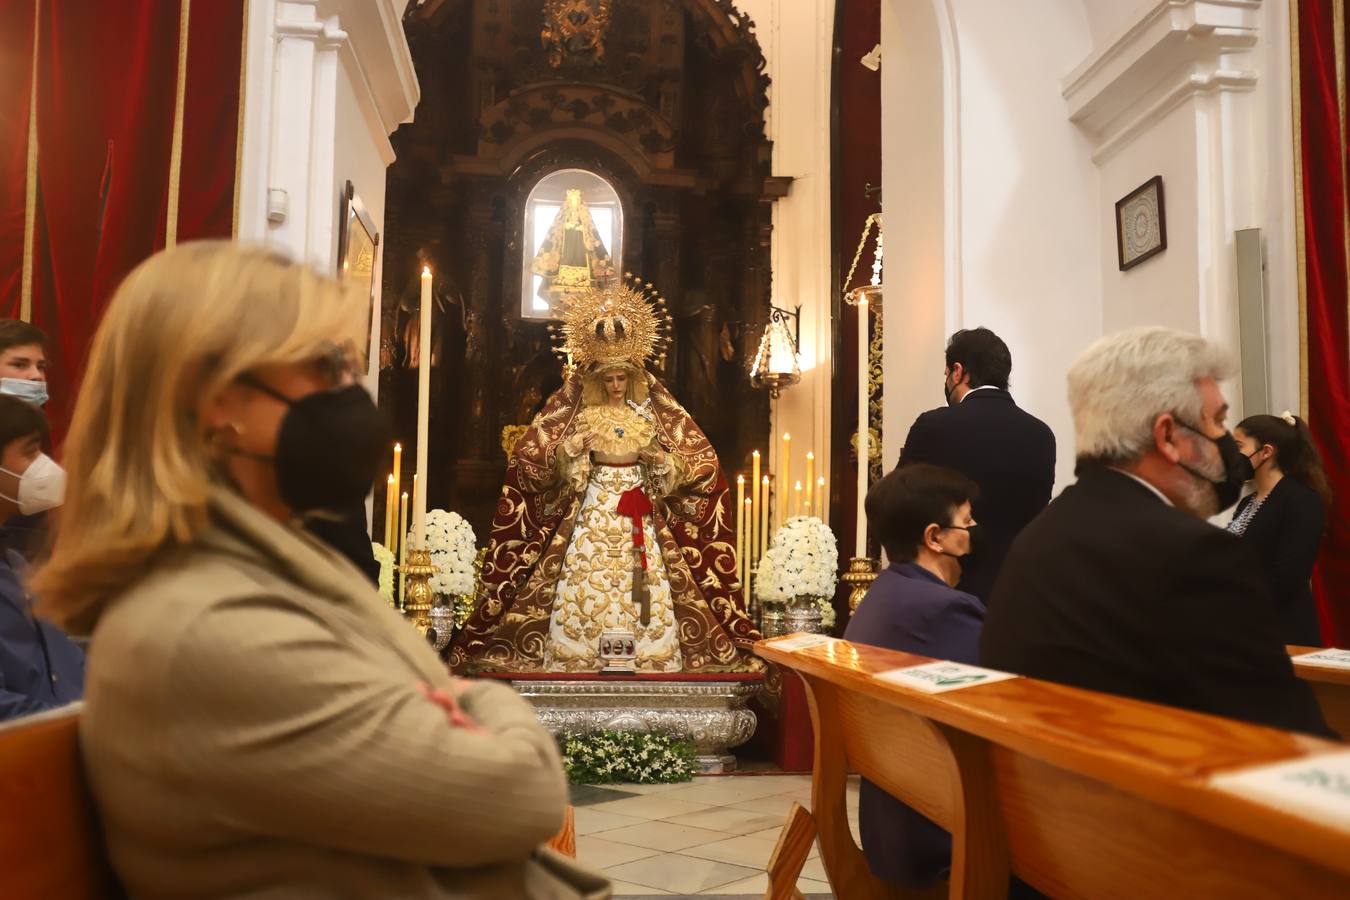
(50, 843)
(1082, 794)
(1330, 686)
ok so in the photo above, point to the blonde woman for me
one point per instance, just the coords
(258, 722)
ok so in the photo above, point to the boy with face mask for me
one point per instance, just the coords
(40, 668)
(922, 515)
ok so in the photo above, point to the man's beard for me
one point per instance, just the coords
(1197, 496)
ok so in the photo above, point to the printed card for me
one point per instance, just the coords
(1331, 657)
(940, 677)
(802, 641)
(1313, 786)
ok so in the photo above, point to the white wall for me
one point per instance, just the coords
(325, 83)
(796, 37)
(1014, 243)
(1197, 91)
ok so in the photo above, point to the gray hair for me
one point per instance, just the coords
(1121, 384)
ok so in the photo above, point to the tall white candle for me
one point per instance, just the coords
(860, 537)
(423, 410)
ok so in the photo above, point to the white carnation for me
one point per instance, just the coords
(803, 561)
(453, 548)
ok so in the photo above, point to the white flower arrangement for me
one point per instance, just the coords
(802, 561)
(609, 757)
(385, 557)
(453, 549)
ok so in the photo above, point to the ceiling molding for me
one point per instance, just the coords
(1174, 50)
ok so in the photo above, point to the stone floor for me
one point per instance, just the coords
(709, 837)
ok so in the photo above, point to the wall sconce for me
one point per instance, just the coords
(776, 365)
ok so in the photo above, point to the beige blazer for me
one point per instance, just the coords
(252, 729)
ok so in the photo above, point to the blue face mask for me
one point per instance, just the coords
(34, 392)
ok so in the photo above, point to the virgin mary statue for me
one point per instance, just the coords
(613, 517)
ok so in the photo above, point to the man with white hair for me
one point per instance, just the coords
(1120, 585)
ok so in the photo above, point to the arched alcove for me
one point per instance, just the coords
(669, 116)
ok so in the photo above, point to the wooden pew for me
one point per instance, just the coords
(1332, 688)
(1080, 794)
(50, 843)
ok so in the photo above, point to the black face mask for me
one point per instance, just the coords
(328, 449)
(1237, 467)
(974, 532)
(948, 390)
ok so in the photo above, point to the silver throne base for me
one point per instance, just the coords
(713, 714)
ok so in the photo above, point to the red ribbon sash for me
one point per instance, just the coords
(635, 504)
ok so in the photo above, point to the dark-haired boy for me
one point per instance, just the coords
(922, 515)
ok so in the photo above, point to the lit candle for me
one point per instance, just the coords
(402, 544)
(756, 502)
(748, 510)
(740, 526)
(423, 410)
(764, 517)
(797, 499)
(860, 536)
(398, 468)
(810, 481)
(390, 512)
(824, 500)
(784, 477)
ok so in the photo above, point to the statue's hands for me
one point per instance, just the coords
(578, 444)
(652, 457)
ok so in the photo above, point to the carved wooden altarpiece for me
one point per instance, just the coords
(663, 99)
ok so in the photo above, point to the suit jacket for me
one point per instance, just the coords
(1009, 453)
(1114, 590)
(1285, 534)
(910, 609)
(252, 729)
(40, 668)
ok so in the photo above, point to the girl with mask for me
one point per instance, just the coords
(40, 668)
(252, 703)
(1284, 518)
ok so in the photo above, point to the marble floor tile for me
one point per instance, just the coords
(774, 806)
(815, 870)
(758, 884)
(590, 821)
(729, 819)
(624, 889)
(679, 874)
(644, 789)
(598, 853)
(591, 794)
(650, 806)
(771, 835)
(663, 836)
(740, 851)
(727, 791)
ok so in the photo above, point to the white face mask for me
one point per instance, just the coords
(35, 392)
(42, 486)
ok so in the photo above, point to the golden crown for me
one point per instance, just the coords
(624, 324)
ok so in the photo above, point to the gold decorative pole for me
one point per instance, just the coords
(418, 598)
(860, 575)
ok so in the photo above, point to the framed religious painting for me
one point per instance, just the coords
(1141, 224)
(573, 240)
(358, 242)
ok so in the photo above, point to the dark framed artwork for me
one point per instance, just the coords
(1141, 224)
(357, 244)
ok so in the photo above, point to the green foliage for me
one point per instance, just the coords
(609, 757)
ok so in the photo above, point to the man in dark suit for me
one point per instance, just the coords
(1121, 585)
(1007, 452)
(922, 515)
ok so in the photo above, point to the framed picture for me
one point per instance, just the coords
(357, 243)
(1141, 224)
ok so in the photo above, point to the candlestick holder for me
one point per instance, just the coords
(418, 597)
(862, 571)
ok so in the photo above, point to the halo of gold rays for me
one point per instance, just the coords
(626, 322)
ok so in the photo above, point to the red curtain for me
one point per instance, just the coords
(107, 81)
(1326, 265)
(16, 72)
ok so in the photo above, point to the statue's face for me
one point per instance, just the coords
(616, 384)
